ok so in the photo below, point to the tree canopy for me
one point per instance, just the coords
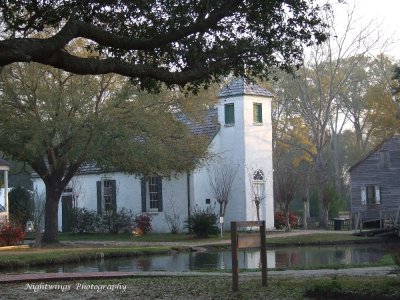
(175, 42)
(56, 121)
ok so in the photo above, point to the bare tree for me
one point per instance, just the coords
(172, 215)
(257, 189)
(314, 95)
(221, 177)
(285, 189)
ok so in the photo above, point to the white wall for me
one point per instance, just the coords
(128, 194)
(248, 147)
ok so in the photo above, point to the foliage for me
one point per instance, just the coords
(155, 41)
(334, 201)
(346, 288)
(55, 122)
(338, 85)
(202, 222)
(10, 233)
(280, 220)
(21, 205)
(114, 221)
(83, 220)
(143, 222)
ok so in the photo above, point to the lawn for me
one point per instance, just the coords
(209, 287)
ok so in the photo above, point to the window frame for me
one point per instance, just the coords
(229, 114)
(384, 159)
(151, 194)
(371, 195)
(257, 113)
(106, 195)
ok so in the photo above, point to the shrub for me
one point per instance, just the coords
(113, 222)
(21, 205)
(202, 222)
(83, 220)
(143, 223)
(11, 234)
(280, 220)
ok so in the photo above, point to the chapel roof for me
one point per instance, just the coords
(244, 86)
(3, 162)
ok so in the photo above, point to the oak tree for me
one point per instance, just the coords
(57, 121)
(175, 42)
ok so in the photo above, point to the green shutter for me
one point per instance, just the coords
(229, 113)
(257, 113)
(114, 195)
(143, 193)
(99, 208)
(159, 194)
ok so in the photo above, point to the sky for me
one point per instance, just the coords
(384, 13)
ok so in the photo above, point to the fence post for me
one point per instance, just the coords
(235, 265)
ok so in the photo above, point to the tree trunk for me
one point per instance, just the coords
(53, 194)
(320, 173)
(258, 211)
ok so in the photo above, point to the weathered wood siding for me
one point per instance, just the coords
(370, 172)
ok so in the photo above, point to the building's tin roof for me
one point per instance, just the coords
(4, 162)
(376, 148)
(208, 126)
(244, 86)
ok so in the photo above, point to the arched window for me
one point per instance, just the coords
(258, 175)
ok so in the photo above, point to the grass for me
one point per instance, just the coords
(150, 237)
(317, 238)
(215, 287)
(51, 256)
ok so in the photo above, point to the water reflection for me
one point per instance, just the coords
(248, 259)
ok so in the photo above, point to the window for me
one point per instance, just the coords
(257, 113)
(370, 195)
(384, 159)
(152, 194)
(229, 114)
(258, 192)
(258, 175)
(106, 195)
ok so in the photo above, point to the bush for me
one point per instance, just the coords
(202, 222)
(113, 222)
(11, 234)
(21, 205)
(280, 220)
(83, 220)
(143, 223)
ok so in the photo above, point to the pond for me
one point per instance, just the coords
(217, 260)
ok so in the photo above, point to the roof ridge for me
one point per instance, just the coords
(244, 86)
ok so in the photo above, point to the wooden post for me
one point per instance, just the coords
(357, 222)
(380, 220)
(235, 265)
(396, 219)
(249, 240)
(263, 255)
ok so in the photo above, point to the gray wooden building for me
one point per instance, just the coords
(375, 183)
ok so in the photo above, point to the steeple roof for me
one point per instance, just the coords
(244, 86)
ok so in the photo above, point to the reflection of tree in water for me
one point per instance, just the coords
(287, 258)
(204, 260)
(144, 263)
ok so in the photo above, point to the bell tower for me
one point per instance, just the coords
(245, 141)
